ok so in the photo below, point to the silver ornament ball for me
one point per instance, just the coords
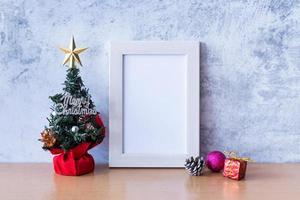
(74, 129)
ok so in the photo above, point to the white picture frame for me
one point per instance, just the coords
(154, 103)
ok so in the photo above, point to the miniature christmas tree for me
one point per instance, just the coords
(73, 120)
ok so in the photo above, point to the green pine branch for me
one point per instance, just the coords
(62, 124)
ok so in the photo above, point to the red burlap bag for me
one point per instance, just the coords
(74, 162)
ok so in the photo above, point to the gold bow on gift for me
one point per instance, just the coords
(233, 155)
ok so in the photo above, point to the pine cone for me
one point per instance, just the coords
(194, 165)
(48, 138)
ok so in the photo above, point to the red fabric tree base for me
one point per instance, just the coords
(74, 162)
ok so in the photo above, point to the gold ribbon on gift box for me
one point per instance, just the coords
(233, 155)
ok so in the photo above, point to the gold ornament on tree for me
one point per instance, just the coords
(72, 54)
(48, 138)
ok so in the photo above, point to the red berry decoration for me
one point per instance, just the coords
(215, 161)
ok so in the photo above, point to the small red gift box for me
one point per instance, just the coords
(235, 168)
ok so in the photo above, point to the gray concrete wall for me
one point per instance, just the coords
(250, 67)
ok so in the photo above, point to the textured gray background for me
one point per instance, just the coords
(250, 67)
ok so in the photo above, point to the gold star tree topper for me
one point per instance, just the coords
(72, 54)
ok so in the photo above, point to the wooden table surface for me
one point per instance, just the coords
(37, 181)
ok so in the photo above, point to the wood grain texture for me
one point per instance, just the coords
(37, 181)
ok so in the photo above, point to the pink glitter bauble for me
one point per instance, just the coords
(215, 161)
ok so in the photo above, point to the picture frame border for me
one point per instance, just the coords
(117, 158)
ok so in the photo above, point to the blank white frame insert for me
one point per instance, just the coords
(154, 103)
